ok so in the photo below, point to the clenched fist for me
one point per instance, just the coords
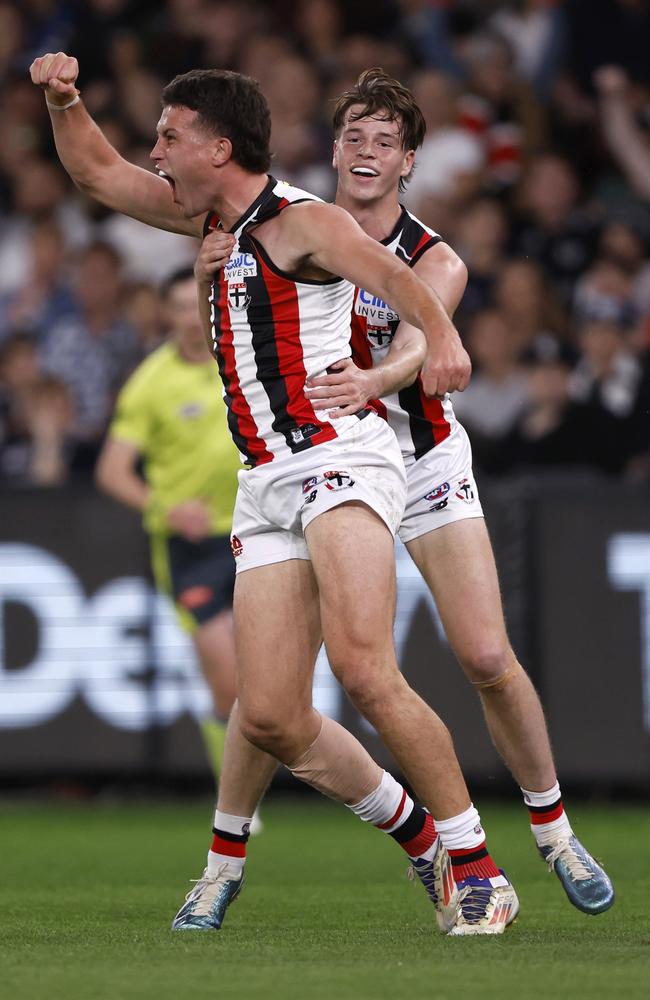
(57, 73)
(214, 254)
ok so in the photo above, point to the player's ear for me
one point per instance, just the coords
(335, 149)
(222, 151)
(407, 163)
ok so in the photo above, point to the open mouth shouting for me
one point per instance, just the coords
(364, 172)
(170, 180)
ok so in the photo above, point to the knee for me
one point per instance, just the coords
(372, 692)
(265, 729)
(488, 664)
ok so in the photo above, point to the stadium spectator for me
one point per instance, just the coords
(497, 396)
(527, 302)
(94, 351)
(44, 297)
(36, 447)
(609, 376)
(557, 431)
(450, 163)
(480, 237)
(582, 147)
(554, 229)
(627, 142)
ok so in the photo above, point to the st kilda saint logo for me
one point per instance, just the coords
(338, 480)
(238, 297)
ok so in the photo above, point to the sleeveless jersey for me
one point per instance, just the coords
(419, 422)
(270, 331)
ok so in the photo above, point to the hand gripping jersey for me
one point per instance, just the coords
(270, 330)
(419, 422)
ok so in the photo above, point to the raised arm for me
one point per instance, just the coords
(333, 241)
(93, 164)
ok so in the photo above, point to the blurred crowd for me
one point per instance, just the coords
(536, 169)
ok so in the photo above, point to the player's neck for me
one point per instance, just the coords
(377, 218)
(237, 195)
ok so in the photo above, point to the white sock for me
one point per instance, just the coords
(542, 804)
(382, 805)
(461, 832)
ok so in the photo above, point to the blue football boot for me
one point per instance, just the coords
(205, 905)
(584, 881)
(486, 906)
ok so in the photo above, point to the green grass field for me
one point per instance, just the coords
(88, 893)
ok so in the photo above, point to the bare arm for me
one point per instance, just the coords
(624, 139)
(330, 239)
(351, 387)
(93, 164)
(115, 474)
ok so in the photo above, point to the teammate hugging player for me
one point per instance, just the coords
(378, 127)
(279, 315)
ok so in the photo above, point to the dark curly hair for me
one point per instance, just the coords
(230, 105)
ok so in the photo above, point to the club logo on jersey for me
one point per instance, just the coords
(465, 492)
(338, 480)
(238, 296)
(241, 265)
(379, 337)
(191, 411)
(438, 492)
(236, 545)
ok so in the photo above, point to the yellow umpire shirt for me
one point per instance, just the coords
(174, 414)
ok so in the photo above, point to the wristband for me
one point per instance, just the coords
(63, 107)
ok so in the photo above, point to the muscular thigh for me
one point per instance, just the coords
(352, 552)
(277, 636)
(458, 565)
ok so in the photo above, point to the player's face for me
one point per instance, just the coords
(369, 157)
(187, 156)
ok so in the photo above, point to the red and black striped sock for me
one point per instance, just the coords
(548, 820)
(229, 838)
(412, 827)
(391, 809)
(472, 861)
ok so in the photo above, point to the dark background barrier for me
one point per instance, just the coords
(97, 680)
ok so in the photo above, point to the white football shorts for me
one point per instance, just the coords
(441, 487)
(277, 501)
